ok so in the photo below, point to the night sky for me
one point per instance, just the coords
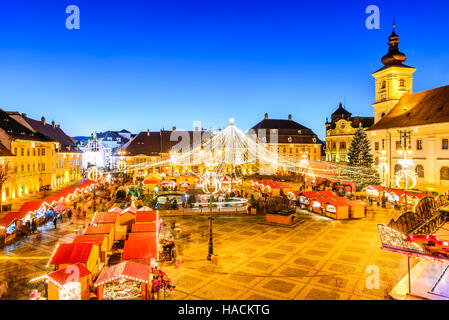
(158, 64)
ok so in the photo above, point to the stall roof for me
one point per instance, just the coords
(128, 269)
(69, 253)
(140, 249)
(146, 216)
(73, 273)
(327, 194)
(338, 202)
(144, 227)
(31, 206)
(142, 235)
(98, 229)
(144, 209)
(130, 209)
(104, 217)
(96, 239)
(311, 194)
(10, 217)
(117, 210)
(52, 199)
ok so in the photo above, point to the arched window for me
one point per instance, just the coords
(420, 171)
(397, 167)
(384, 84)
(402, 83)
(444, 173)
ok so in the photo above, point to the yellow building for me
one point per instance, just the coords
(425, 113)
(40, 158)
(340, 132)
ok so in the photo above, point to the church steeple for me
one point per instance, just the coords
(394, 56)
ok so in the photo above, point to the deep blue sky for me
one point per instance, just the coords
(153, 64)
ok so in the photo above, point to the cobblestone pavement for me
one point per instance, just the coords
(317, 259)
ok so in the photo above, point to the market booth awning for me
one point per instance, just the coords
(141, 251)
(100, 240)
(124, 281)
(66, 254)
(142, 236)
(104, 217)
(31, 206)
(11, 217)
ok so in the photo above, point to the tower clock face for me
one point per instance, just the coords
(342, 126)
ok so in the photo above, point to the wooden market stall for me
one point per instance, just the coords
(336, 208)
(70, 283)
(141, 251)
(125, 281)
(357, 208)
(147, 217)
(11, 222)
(110, 218)
(102, 229)
(37, 208)
(142, 236)
(100, 240)
(86, 254)
(127, 217)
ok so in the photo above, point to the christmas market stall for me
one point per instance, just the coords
(12, 222)
(147, 217)
(127, 217)
(112, 219)
(99, 240)
(102, 229)
(142, 236)
(84, 253)
(357, 208)
(38, 209)
(336, 208)
(125, 281)
(70, 283)
(141, 251)
(144, 227)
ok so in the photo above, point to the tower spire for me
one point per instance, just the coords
(394, 56)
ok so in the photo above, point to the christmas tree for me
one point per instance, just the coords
(359, 153)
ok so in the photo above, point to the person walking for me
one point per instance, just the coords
(55, 221)
(33, 226)
(69, 214)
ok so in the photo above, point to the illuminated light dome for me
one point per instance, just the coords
(394, 56)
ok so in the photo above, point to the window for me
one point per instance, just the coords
(418, 144)
(444, 173)
(398, 145)
(43, 166)
(376, 146)
(343, 145)
(420, 171)
(28, 152)
(397, 167)
(34, 152)
(376, 161)
(22, 152)
(384, 84)
(39, 152)
(43, 152)
(445, 145)
(402, 83)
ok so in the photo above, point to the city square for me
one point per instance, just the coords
(192, 163)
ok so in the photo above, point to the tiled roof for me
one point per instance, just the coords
(55, 133)
(68, 253)
(146, 216)
(140, 249)
(96, 239)
(128, 270)
(142, 235)
(4, 152)
(144, 227)
(18, 131)
(98, 229)
(73, 273)
(104, 217)
(421, 108)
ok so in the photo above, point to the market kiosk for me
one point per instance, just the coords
(37, 208)
(336, 208)
(144, 227)
(70, 283)
(140, 251)
(102, 229)
(110, 218)
(86, 254)
(142, 236)
(146, 217)
(357, 208)
(126, 217)
(11, 222)
(125, 281)
(99, 240)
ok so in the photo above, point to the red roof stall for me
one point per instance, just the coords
(141, 251)
(146, 216)
(12, 221)
(70, 283)
(38, 208)
(357, 208)
(102, 229)
(127, 217)
(66, 254)
(124, 281)
(306, 198)
(336, 208)
(142, 236)
(99, 240)
(144, 227)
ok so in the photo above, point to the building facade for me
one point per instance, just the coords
(424, 114)
(36, 155)
(340, 132)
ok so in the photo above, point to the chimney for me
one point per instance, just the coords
(24, 115)
(148, 132)
(289, 117)
(53, 124)
(58, 126)
(174, 129)
(266, 115)
(197, 128)
(43, 120)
